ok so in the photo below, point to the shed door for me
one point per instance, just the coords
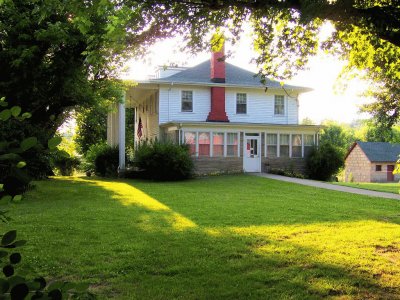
(390, 169)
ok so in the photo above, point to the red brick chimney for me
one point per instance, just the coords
(217, 113)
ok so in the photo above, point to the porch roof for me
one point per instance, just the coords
(242, 125)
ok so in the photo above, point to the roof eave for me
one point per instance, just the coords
(290, 88)
(227, 124)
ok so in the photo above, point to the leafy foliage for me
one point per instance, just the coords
(88, 162)
(164, 161)
(13, 174)
(324, 162)
(91, 127)
(106, 162)
(338, 135)
(14, 181)
(13, 286)
(65, 164)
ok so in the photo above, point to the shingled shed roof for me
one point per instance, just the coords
(378, 151)
(235, 76)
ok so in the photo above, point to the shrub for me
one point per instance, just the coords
(287, 172)
(106, 162)
(164, 161)
(65, 165)
(324, 162)
(88, 164)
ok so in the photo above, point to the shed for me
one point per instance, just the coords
(371, 162)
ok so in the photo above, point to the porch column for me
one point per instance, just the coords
(112, 126)
(121, 133)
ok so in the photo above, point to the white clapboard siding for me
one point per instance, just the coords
(170, 104)
(260, 107)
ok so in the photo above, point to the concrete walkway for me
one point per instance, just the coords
(329, 186)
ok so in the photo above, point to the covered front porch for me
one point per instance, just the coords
(143, 99)
(236, 147)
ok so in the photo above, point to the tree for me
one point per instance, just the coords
(337, 135)
(92, 127)
(56, 55)
(370, 131)
(367, 34)
(307, 121)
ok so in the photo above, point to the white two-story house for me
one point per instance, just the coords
(230, 120)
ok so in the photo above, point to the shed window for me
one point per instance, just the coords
(187, 101)
(378, 168)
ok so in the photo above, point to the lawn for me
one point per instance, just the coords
(227, 237)
(389, 187)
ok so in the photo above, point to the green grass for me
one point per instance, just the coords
(228, 237)
(389, 187)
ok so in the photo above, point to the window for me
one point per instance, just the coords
(284, 145)
(272, 145)
(308, 144)
(378, 168)
(204, 144)
(187, 101)
(241, 103)
(232, 144)
(296, 145)
(279, 105)
(190, 140)
(218, 144)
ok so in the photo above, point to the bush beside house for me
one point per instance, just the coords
(163, 161)
(324, 162)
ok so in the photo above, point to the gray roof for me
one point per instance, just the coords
(380, 152)
(235, 76)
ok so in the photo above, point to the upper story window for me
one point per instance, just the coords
(279, 107)
(241, 103)
(187, 101)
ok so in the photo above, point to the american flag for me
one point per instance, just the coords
(139, 129)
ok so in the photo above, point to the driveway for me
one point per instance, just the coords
(329, 186)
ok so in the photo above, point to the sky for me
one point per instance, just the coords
(324, 102)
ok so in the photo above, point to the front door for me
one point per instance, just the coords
(390, 176)
(251, 154)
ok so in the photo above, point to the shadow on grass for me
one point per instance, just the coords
(193, 240)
